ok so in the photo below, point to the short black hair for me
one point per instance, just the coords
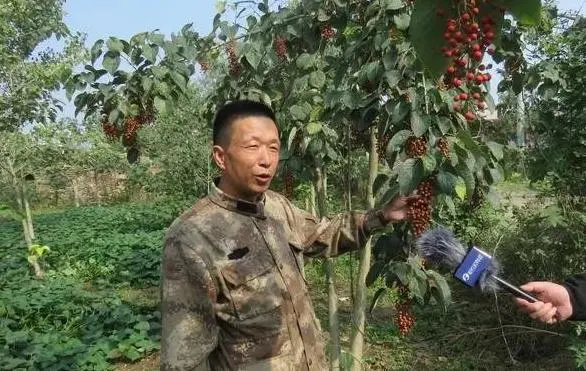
(234, 110)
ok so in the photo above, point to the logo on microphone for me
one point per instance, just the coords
(472, 266)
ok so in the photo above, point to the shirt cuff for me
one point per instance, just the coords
(373, 221)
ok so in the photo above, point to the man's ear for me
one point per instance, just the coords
(219, 156)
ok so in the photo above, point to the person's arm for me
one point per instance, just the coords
(189, 330)
(576, 286)
(343, 232)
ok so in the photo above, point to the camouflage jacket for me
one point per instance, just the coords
(233, 293)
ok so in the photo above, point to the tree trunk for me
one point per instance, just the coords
(97, 185)
(29, 218)
(75, 192)
(520, 121)
(320, 193)
(357, 342)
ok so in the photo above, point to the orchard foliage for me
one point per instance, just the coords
(415, 70)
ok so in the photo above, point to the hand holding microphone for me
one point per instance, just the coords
(554, 303)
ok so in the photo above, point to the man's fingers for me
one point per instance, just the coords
(541, 312)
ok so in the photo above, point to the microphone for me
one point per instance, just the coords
(472, 267)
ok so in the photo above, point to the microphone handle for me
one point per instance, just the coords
(514, 290)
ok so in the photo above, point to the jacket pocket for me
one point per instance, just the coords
(252, 285)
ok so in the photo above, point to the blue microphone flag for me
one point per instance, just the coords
(473, 265)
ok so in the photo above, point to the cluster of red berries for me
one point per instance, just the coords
(443, 147)
(416, 147)
(110, 130)
(381, 145)
(328, 32)
(132, 124)
(404, 317)
(289, 183)
(281, 48)
(359, 139)
(205, 66)
(467, 42)
(420, 209)
(233, 60)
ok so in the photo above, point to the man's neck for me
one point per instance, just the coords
(228, 189)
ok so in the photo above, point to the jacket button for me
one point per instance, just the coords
(281, 266)
(310, 362)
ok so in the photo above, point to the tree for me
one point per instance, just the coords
(28, 78)
(413, 72)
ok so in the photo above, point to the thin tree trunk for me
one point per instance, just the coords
(520, 121)
(75, 192)
(357, 342)
(320, 192)
(29, 218)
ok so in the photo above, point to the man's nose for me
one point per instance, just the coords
(264, 158)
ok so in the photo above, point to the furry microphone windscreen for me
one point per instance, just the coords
(439, 246)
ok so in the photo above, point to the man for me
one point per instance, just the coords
(233, 296)
(557, 302)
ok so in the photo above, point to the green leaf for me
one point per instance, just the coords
(426, 34)
(114, 44)
(419, 125)
(377, 295)
(410, 175)
(400, 111)
(439, 288)
(150, 53)
(160, 105)
(114, 115)
(496, 149)
(402, 21)
(393, 77)
(305, 61)
(375, 272)
(96, 50)
(460, 188)
(444, 124)
(111, 61)
(317, 79)
(429, 163)
(398, 140)
(253, 57)
(379, 182)
(298, 113)
(446, 182)
(322, 15)
(179, 80)
(313, 128)
(147, 84)
(526, 11)
(394, 4)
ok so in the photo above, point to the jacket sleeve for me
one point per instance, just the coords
(189, 331)
(576, 286)
(330, 237)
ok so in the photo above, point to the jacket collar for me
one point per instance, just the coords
(231, 203)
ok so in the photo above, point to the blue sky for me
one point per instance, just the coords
(124, 18)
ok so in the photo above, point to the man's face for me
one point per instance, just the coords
(249, 161)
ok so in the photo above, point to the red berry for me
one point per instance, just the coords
(447, 35)
(451, 28)
(461, 62)
(470, 76)
(489, 35)
(475, 10)
(475, 47)
(473, 36)
(451, 69)
(456, 107)
(466, 16)
(456, 98)
(481, 67)
(469, 116)
(477, 55)
(463, 96)
(476, 96)
(457, 82)
(458, 35)
(479, 79)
